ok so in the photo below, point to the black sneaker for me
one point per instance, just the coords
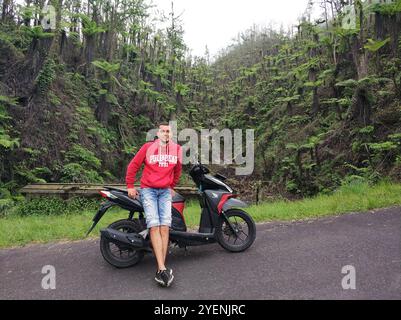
(164, 277)
(170, 271)
(169, 276)
(159, 279)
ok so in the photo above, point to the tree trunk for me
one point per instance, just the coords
(102, 111)
(89, 48)
(55, 47)
(316, 102)
(5, 10)
(27, 21)
(360, 55)
(361, 108)
(290, 110)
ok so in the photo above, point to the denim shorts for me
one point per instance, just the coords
(157, 206)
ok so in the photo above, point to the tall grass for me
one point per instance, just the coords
(356, 197)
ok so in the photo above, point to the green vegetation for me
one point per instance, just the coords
(76, 101)
(356, 197)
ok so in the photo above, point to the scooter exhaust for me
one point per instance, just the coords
(121, 238)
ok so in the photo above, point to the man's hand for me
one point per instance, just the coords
(132, 193)
(172, 192)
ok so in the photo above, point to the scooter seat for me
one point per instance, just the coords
(176, 199)
(138, 202)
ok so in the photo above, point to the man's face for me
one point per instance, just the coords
(164, 133)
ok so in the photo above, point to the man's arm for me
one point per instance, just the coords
(134, 166)
(177, 168)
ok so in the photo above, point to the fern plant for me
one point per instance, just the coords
(375, 45)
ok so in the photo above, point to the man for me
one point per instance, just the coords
(163, 165)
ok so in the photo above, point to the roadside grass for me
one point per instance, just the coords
(16, 230)
(357, 197)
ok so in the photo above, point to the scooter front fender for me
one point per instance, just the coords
(234, 203)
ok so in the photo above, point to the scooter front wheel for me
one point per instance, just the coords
(121, 256)
(239, 234)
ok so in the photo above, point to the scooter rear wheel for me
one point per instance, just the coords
(122, 256)
(244, 234)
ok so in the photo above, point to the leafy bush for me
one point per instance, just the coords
(76, 173)
(83, 166)
(292, 186)
(46, 76)
(7, 199)
(5, 204)
(79, 204)
(83, 156)
(364, 174)
(48, 206)
(55, 206)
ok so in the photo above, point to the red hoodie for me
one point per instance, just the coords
(163, 165)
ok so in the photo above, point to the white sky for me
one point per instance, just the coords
(216, 22)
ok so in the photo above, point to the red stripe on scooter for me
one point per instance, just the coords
(179, 206)
(223, 200)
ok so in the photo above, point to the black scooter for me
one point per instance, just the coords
(124, 243)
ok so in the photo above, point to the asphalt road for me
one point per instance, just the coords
(301, 260)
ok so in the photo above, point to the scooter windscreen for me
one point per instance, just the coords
(197, 173)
